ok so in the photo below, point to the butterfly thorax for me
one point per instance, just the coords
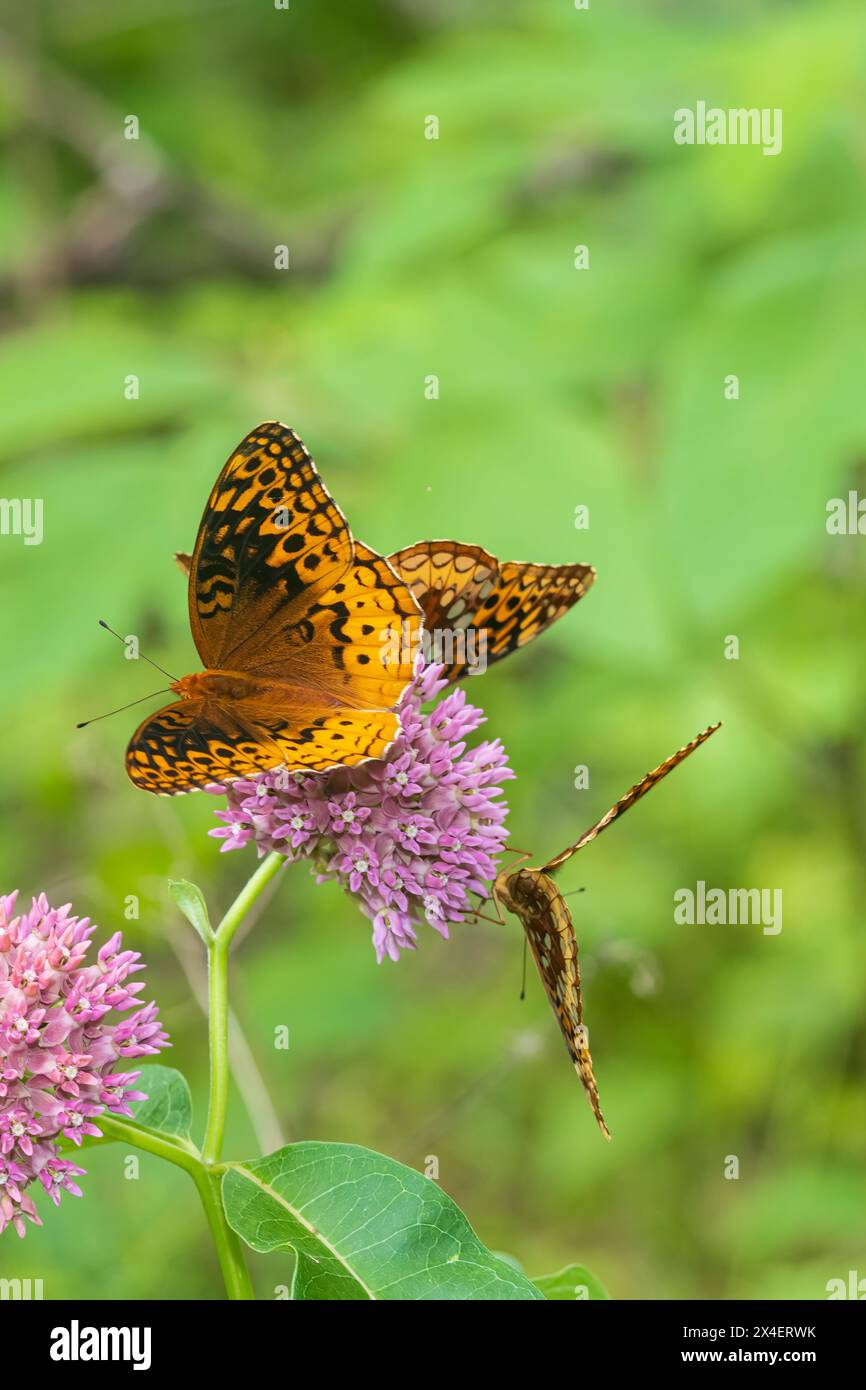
(219, 685)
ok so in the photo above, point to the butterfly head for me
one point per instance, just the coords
(513, 888)
(502, 888)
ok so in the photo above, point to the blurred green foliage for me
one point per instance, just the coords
(603, 387)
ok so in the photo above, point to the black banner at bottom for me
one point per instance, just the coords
(50, 1339)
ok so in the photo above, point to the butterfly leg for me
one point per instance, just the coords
(498, 921)
(522, 854)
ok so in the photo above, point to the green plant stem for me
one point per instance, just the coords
(183, 1154)
(202, 1166)
(228, 1245)
(218, 1004)
(218, 1045)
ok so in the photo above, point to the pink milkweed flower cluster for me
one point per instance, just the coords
(62, 1059)
(409, 836)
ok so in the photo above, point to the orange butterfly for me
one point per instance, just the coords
(534, 898)
(463, 589)
(289, 611)
(290, 616)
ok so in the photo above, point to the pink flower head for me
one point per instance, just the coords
(59, 1047)
(409, 836)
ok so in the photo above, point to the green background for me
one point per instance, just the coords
(558, 387)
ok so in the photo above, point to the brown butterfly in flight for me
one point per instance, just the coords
(534, 898)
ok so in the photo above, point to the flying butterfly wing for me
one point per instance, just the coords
(543, 913)
(462, 588)
(640, 789)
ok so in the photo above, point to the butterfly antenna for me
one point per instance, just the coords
(121, 708)
(103, 623)
(523, 981)
(637, 791)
